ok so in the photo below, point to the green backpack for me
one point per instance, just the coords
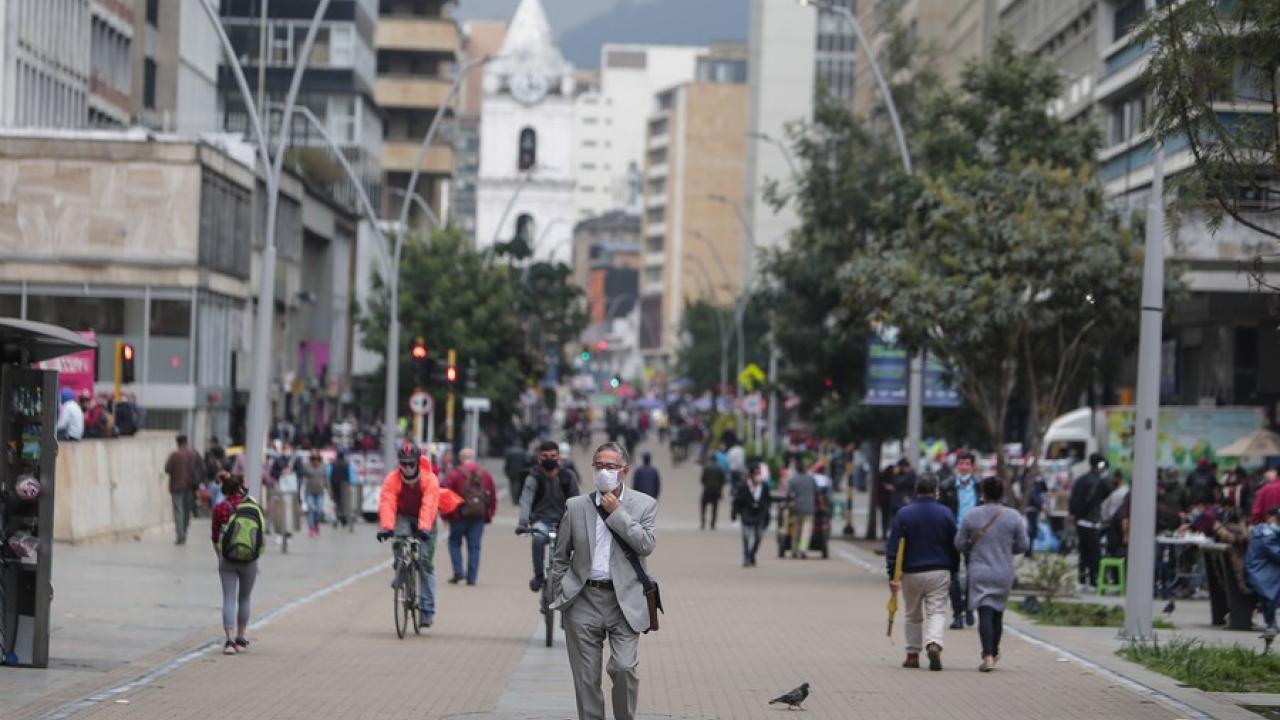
(242, 535)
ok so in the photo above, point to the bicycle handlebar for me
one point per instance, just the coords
(535, 532)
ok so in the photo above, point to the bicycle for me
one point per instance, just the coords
(405, 584)
(545, 598)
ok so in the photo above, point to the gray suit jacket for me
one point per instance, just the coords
(634, 520)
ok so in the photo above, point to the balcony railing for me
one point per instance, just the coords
(398, 156)
(410, 92)
(416, 34)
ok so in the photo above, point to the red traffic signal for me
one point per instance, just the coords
(451, 374)
(126, 363)
(419, 351)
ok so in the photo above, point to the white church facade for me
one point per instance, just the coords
(526, 179)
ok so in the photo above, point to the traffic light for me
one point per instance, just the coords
(451, 375)
(420, 358)
(615, 382)
(472, 376)
(126, 363)
(585, 355)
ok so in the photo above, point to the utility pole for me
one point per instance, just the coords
(1141, 565)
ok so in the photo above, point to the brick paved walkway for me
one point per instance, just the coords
(732, 638)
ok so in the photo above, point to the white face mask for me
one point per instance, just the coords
(606, 480)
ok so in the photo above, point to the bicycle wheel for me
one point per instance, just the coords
(401, 619)
(548, 615)
(411, 600)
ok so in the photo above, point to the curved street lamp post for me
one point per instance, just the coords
(391, 401)
(915, 391)
(259, 403)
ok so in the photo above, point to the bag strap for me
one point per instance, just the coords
(982, 532)
(645, 581)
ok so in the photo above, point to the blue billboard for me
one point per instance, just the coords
(887, 367)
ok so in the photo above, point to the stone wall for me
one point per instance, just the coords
(117, 201)
(112, 489)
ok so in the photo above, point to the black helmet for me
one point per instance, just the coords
(409, 456)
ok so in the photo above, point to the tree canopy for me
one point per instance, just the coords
(1214, 74)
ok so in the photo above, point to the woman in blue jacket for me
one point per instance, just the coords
(1262, 566)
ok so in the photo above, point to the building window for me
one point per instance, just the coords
(524, 230)
(149, 84)
(528, 150)
(341, 118)
(342, 46)
(153, 13)
(1127, 119)
(1128, 15)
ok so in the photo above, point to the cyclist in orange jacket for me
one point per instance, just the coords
(407, 505)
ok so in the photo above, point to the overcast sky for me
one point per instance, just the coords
(581, 26)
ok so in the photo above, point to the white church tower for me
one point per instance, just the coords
(526, 142)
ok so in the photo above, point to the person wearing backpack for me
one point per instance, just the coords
(238, 525)
(542, 503)
(479, 496)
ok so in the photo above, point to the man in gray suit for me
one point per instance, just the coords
(597, 587)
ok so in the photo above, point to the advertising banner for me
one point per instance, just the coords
(77, 370)
(887, 367)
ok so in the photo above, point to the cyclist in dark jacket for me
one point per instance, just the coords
(542, 503)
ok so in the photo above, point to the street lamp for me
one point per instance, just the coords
(390, 417)
(786, 152)
(421, 202)
(915, 391)
(259, 404)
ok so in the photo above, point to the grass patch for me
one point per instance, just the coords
(1209, 668)
(1086, 615)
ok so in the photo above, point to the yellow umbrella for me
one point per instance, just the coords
(892, 607)
(1259, 444)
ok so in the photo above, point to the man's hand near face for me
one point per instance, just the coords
(609, 501)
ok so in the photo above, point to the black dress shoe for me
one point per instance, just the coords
(455, 579)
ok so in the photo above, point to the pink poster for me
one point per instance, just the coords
(77, 370)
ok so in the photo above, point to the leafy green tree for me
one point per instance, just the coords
(1010, 266)
(1214, 73)
(551, 309)
(452, 298)
(698, 357)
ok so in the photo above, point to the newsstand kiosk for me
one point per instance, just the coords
(28, 421)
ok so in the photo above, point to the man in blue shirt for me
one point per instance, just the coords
(928, 531)
(960, 494)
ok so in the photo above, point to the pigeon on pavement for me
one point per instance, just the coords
(794, 698)
(1168, 609)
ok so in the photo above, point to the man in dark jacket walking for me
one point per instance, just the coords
(713, 480)
(183, 468)
(645, 478)
(751, 503)
(1085, 506)
(928, 530)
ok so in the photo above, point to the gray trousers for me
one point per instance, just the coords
(589, 619)
(181, 513)
(237, 585)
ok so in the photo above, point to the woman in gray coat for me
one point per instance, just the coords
(993, 535)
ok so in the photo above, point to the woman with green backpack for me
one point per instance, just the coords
(237, 541)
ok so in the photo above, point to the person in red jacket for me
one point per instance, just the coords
(407, 505)
(1268, 497)
(474, 485)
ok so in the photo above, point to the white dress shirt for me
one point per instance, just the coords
(603, 548)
